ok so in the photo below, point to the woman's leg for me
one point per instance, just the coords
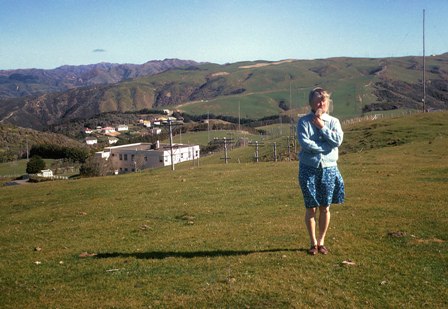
(324, 223)
(310, 222)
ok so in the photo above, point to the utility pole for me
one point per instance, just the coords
(180, 136)
(291, 118)
(169, 123)
(27, 150)
(171, 144)
(281, 124)
(239, 116)
(275, 151)
(208, 127)
(289, 147)
(224, 141)
(256, 154)
(226, 157)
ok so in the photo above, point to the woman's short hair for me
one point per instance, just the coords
(317, 94)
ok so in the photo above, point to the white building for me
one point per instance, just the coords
(91, 140)
(146, 123)
(112, 140)
(156, 131)
(122, 127)
(45, 173)
(133, 157)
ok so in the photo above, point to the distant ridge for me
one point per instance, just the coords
(24, 82)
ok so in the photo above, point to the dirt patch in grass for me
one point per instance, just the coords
(428, 241)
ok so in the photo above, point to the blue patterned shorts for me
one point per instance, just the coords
(321, 186)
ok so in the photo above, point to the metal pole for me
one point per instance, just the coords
(424, 65)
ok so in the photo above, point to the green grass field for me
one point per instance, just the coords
(233, 235)
(18, 168)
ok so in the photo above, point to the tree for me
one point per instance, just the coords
(96, 167)
(35, 165)
(53, 151)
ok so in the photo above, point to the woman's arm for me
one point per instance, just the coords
(333, 134)
(307, 144)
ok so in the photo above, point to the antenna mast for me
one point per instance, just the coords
(424, 65)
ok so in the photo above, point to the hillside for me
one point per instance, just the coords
(14, 141)
(216, 235)
(249, 89)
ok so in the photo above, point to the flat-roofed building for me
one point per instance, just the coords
(133, 157)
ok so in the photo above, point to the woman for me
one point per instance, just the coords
(319, 136)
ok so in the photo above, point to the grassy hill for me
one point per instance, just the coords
(233, 235)
(354, 82)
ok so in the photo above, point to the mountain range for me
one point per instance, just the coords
(38, 98)
(25, 82)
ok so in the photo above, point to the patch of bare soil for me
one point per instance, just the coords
(259, 65)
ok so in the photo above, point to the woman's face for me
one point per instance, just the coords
(321, 103)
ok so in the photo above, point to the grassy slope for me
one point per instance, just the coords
(232, 235)
(267, 86)
(351, 81)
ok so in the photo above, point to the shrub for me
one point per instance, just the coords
(35, 165)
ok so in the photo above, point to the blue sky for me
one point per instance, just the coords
(50, 33)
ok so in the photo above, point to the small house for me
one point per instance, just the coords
(146, 123)
(122, 127)
(156, 131)
(91, 140)
(106, 130)
(112, 140)
(45, 173)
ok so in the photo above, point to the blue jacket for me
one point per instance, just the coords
(319, 147)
